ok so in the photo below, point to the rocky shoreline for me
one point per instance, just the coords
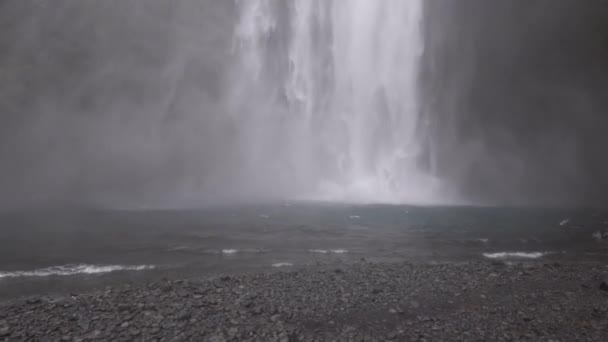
(489, 301)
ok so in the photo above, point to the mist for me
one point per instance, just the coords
(517, 91)
(151, 104)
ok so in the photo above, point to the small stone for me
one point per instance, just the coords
(32, 301)
(124, 307)
(217, 338)
(415, 304)
(124, 325)
(184, 316)
(233, 332)
(392, 311)
(5, 331)
(275, 318)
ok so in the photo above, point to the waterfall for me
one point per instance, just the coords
(328, 93)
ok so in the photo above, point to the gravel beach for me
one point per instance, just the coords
(477, 301)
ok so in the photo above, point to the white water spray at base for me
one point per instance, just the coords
(328, 91)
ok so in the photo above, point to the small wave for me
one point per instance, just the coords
(354, 217)
(264, 216)
(599, 236)
(319, 251)
(564, 222)
(282, 264)
(520, 255)
(327, 251)
(67, 270)
(230, 251)
(179, 248)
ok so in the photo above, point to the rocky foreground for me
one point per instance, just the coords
(361, 302)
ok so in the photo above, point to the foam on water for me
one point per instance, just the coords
(319, 251)
(339, 251)
(68, 270)
(282, 264)
(326, 251)
(230, 251)
(518, 255)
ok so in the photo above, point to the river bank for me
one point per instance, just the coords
(532, 301)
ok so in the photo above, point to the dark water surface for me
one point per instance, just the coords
(58, 251)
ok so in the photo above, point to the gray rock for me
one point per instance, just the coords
(217, 338)
(184, 316)
(233, 332)
(34, 300)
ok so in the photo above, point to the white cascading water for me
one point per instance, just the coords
(328, 91)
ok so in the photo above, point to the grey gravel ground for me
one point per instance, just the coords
(479, 301)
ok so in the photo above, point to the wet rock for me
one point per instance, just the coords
(604, 286)
(217, 338)
(34, 300)
(321, 305)
(184, 316)
(233, 332)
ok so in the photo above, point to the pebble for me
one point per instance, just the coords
(358, 302)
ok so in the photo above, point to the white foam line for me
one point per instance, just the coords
(339, 251)
(523, 255)
(67, 270)
(229, 251)
(320, 251)
(325, 251)
(282, 264)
